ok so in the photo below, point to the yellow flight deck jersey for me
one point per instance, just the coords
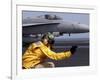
(38, 52)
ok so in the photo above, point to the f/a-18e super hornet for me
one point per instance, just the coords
(34, 28)
(51, 23)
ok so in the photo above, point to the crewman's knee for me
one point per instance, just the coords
(49, 64)
(39, 66)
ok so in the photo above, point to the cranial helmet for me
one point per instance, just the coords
(49, 37)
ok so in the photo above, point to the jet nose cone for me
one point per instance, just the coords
(84, 27)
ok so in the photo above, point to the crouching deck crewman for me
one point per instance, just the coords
(36, 54)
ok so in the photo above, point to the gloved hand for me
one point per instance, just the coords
(73, 49)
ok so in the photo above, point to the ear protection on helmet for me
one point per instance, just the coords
(51, 41)
(50, 38)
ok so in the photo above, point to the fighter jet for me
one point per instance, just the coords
(34, 28)
(51, 23)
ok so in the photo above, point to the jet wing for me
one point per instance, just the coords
(37, 24)
(36, 28)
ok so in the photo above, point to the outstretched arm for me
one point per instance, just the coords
(56, 56)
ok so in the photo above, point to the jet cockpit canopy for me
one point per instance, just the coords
(50, 17)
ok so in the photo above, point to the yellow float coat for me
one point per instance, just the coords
(38, 52)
